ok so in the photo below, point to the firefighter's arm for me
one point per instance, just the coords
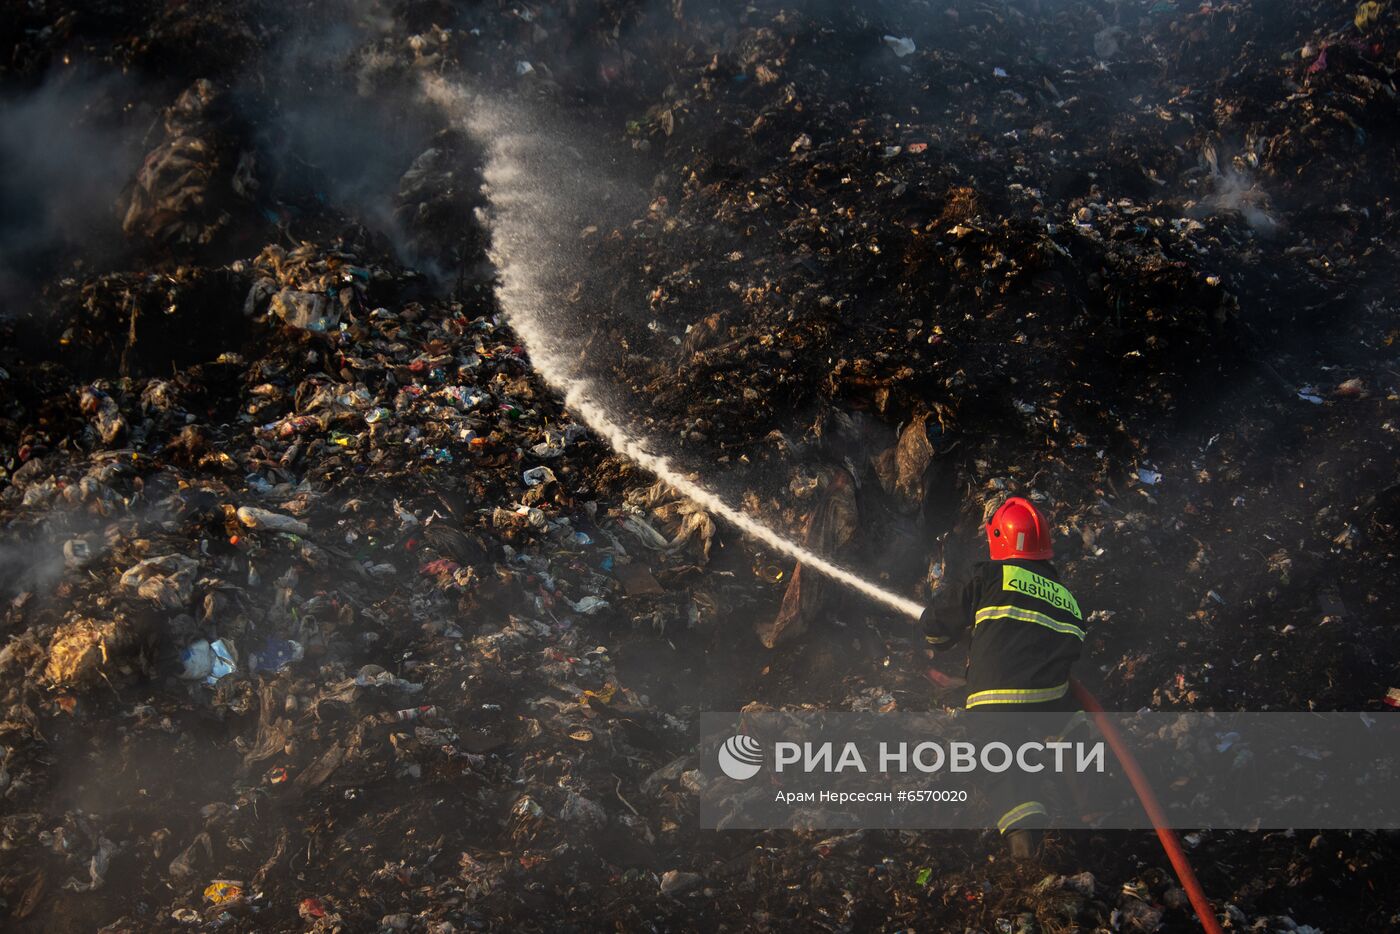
(934, 637)
(948, 616)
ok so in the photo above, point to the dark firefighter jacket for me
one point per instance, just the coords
(1027, 629)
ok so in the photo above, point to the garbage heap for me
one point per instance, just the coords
(324, 613)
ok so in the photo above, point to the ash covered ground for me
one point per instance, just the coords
(322, 611)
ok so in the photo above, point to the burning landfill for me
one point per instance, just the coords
(413, 414)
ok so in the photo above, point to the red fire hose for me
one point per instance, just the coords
(1165, 834)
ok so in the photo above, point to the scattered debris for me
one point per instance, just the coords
(321, 610)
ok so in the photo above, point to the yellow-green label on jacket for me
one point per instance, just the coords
(1042, 588)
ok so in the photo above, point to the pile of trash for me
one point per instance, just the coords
(323, 611)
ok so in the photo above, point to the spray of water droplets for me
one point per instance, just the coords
(540, 191)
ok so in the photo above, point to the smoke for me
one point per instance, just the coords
(31, 566)
(65, 153)
(539, 190)
(340, 122)
(1237, 192)
(36, 557)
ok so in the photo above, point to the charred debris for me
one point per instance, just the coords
(322, 612)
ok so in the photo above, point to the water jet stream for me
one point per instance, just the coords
(534, 185)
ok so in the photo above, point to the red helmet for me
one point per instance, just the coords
(1018, 530)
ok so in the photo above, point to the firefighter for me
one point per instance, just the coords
(1026, 631)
